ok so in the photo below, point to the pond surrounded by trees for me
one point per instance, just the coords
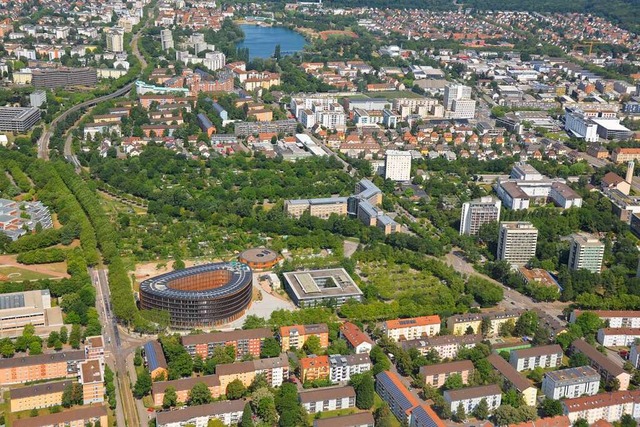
(262, 41)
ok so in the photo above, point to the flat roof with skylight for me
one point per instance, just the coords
(318, 287)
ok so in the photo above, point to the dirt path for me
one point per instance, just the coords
(56, 269)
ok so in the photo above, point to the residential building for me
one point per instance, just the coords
(496, 319)
(321, 208)
(183, 386)
(37, 98)
(275, 369)
(514, 380)
(447, 346)
(570, 383)
(586, 253)
(91, 377)
(227, 411)
(424, 416)
(294, 337)
(166, 39)
(318, 287)
(609, 407)
(341, 368)
(634, 356)
(94, 348)
(42, 367)
(37, 396)
(75, 417)
(246, 342)
(557, 421)
(397, 165)
(471, 397)
(408, 329)
(622, 155)
(517, 242)
(360, 419)
(459, 324)
(618, 337)
(314, 368)
(356, 339)
(478, 212)
(115, 40)
(327, 399)
(453, 92)
(156, 362)
(391, 389)
(437, 375)
(613, 318)
(606, 367)
(18, 119)
(546, 356)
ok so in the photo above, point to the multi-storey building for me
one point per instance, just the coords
(401, 402)
(94, 347)
(607, 368)
(51, 78)
(447, 346)
(478, 212)
(91, 378)
(517, 242)
(613, 318)
(37, 396)
(18, 119)
(609, 407)
(397, 165)
(328, 399)
(246, 342)
(156, 362)
(115, 40)
(453, 92)
(586, 253)
(634, 356)
(166, 39)
(275, 370)
(314, 368)
(459, 324)
(312, 288)
(546, 356)
(514, 380)
(356, 339)
(183, 386)
(436, 375)
(19, 309)
(618, 337)
(227, 411)
(343, 367)
(622, 155)
(570, 383)
(42, 367)
(294, 337)
(76, 417)
(413, 328)
(471, 397)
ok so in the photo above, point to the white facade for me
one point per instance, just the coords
(115, 40)
(343, 367)
(618, 337)
(166, 39)
(615, 318)
(517, 242)
(214, 60)
(586, 253)
(581, 126)
(455, 92)
(409, 329)
(543, 357)
(471, 397)
(605, 406)
(328, 399)
(478, 212)
(570, 383)
(463, 109)
(397, 165)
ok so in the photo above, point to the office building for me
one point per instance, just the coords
(397, 165)
(19, 309)
(18, 119)
(51, 78)
(318, 287)
(546, 356)
(166, 39)
(437, 375)
(471, 397)
(606, 367)
(408, 329)
(227, 411)
(517, 242)
(327, 399)
(115, 40)
(514, 380)
(343, 367)
(586, 253)
(37, 98)
(294, 337)
(478, 212)
(570, 383)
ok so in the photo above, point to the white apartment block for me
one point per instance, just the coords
(397, 165)
(166, 39)
(571, 383)
(328, 399)
(604, 406)
(618, 337)
(580, 126)
(413, 328)
(634, 356)
(462, 109)
(586, 253)
(454, 92)
(614, 318)
(478, 212)
(227, 411)
(115, 40)
(517, 242)
(447, 346)
(343, 367)
(471, 397)
(547, 356)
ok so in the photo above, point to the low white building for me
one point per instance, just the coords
(328, 399)
(618, 337)
(570, 383)
(614, 318)
(471, 397)
(604, 406)
(227, 411)
(546, 356)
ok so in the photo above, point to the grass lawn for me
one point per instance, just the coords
(15, 274)
(336, 413)
(392, 94)
(377, 402)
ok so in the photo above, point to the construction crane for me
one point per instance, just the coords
(590, 44)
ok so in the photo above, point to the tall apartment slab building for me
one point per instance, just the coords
(517, 242)
(478, 212)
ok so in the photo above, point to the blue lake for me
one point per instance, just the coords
(262, 41)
